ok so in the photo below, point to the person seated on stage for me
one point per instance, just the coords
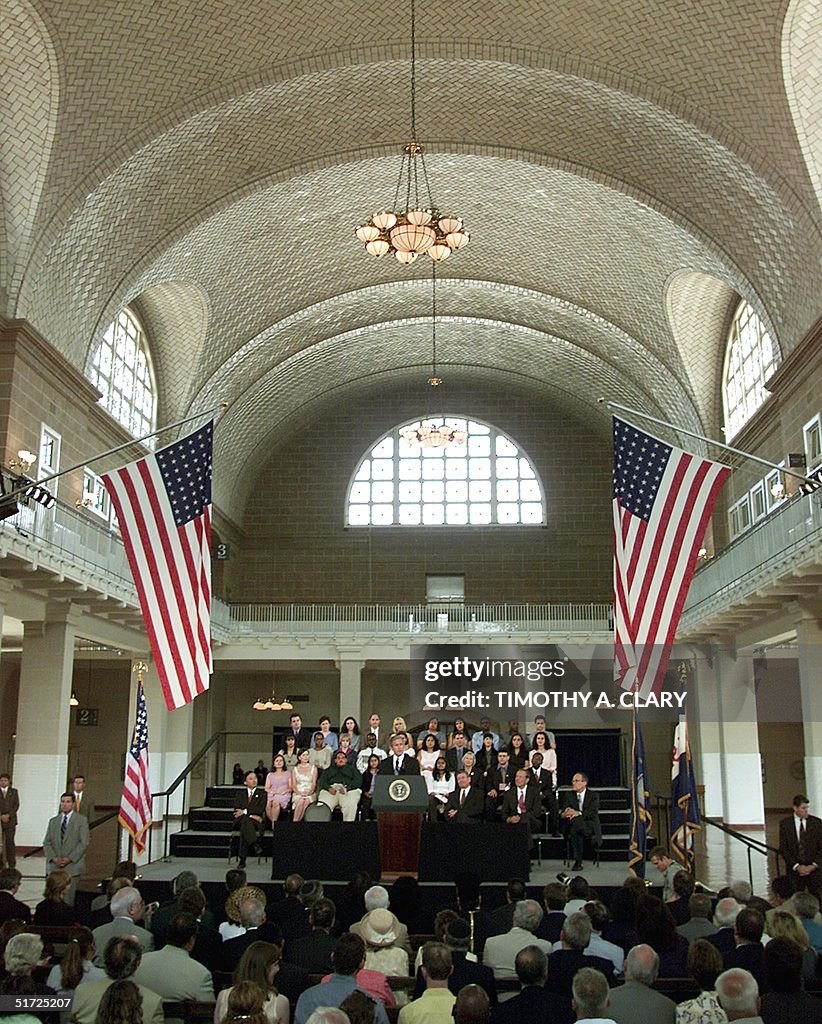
(249, 815)
(400, 761)
(580, 812)
(341, 786)
(329, 737)
(539, 727)
(459, 727)
(320, 755)
(428, 754)
(466, 805)
(371, 748)
(367, 784)
(351, 727)
(540, 745)
(522, 803)
(289, 750)
(497, 783)
(486, 757)
(469, 765)
(397, 726)
(346, 747)
(303, 785)
(518, 752)
(458, 747)
(431, 729)
(278, 788)
(441, 784)
(544, 781)
(479, 735)
(260, 772)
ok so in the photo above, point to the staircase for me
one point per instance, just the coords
(209, 827)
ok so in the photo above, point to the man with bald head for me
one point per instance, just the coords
(472, 1006)
(636, 1002)
(738, 995)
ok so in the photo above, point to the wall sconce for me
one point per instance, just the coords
(24, 461)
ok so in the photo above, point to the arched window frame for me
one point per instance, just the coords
(751, 357)
(498, 439)
(132, 401)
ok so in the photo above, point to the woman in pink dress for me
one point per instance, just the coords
(303, 785)
(278, 788)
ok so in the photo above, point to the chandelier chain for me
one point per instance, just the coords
(413, 71)
(434, 320)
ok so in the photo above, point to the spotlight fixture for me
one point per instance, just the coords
(433, 431)
(416, 226)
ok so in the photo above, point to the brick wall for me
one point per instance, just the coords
(298, 549)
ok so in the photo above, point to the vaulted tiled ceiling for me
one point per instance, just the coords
(626, 170)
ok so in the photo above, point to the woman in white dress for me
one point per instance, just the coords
(440, 783)
(303, 785)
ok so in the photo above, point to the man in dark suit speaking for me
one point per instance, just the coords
(399, 761)
(249, 815)
(580, 813)
(800, 844)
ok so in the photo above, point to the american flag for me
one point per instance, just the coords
(135, 803)
(163, 504)
(663, 499)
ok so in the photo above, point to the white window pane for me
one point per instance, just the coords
(479, 490)
(359, 515)
(433, 454)
(507, 490)
(502, 446)
(479, 469)
(479, 445)
(433, 515)
(531, 512)
(433, 491)
(507, 468)
(364, 472)
(409, 447)
(409, 490)
(382, 469)
(478, 428)
(382, 515)
(529, 490)
(385, 449)
(383, 491)
(410, 469)
(433, 470)
(507, 512)
(456, 515)
(410, 515)
(456, 490)
(456, 469)
(525, 470)
(480, 514)
(360, 492)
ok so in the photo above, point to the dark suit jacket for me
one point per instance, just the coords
(533, 806)
(289, 915)
(750, 957)
(590, 810)
(723, 940)
(789, 844)
(258, 802)
(12, 909)
(465, 972)
(409, 766)
(536, 1005)
(793, 1008)
(311, 952)
(451, 758)
(564, 964)
(471, 811)
(545, 782)
(10, 804)
(233, 949)
(550, 926)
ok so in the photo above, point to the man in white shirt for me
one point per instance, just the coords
(370, 748)
(477, 738)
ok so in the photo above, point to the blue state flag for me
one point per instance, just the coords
(641, 820)
(685, 817)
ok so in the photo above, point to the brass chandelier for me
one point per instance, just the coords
(414, 226)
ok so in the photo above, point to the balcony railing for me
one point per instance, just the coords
(782, 543)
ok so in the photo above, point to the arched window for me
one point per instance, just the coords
(750, 359)
(487, 480)
(121, 370)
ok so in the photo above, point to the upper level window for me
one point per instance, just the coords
(487, 480)
(121, 370)
(751, 358)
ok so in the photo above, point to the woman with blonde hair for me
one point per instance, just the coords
(782, 925)
(52, 909)
(258, 966)
(398, 725)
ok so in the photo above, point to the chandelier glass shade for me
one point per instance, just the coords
(413, 225)
(272, 704)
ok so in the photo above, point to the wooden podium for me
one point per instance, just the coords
(400, 801)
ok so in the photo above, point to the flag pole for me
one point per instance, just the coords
(113, 451)
(702, 437)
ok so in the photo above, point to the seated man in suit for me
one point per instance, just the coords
(400, 761)
(522, 803)
(500, 951)
(497, 783)
(126, 909)
(249, 815)
(800, 844)
(564, 963)
(466, 804)
(748, 952)
(580, 812)
(171, 972)
(637, 1002)
(460, 747)
(534, 1002)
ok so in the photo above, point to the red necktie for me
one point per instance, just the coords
(521, 802)
(462, 797)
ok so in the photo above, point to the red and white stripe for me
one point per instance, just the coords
(135, 802)
(172, 572)
(654, 563)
